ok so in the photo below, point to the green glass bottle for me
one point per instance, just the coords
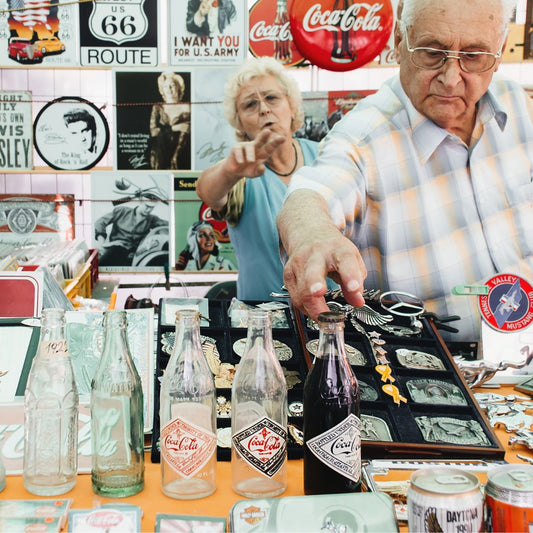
(117, 426)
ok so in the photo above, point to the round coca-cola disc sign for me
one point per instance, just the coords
(340, 35)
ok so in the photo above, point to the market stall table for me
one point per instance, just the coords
(153, 501)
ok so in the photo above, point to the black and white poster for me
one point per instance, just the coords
(16, 131)
(71, 133)
(132, 220)
(207, 32)
(118, 33)
(153, 120)
(33, 32)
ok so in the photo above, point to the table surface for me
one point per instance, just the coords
(153, 501)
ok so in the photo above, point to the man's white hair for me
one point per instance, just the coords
(411, 8)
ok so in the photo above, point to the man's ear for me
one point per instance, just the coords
(398, 37)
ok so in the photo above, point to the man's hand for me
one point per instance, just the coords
(316, 250)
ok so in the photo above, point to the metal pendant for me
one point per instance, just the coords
(416, 359)
(374, 428)
(355, 356)
(434, 391)
(452, 430)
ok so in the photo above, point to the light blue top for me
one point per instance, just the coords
(255, 238)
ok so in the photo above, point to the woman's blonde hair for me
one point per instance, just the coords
(253, 68)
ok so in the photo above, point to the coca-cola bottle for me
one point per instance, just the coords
(188, 415)
(51, 413)
(259, 415)
(343, 49)
(332, 427)
(282, 34)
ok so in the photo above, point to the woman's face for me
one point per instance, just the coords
(170, 90)
(262, 103)
(206, 240)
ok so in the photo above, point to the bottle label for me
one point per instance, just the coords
(340, 447)
(186, 447)
(53, 349)
(263, 445)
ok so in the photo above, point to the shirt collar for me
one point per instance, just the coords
(427, 136)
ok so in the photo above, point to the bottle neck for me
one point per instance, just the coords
(259, 331)
(331, 340)
(115, 337)
(52, 340)
(187, 331)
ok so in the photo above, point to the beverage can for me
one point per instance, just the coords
(445, 499)
(509, 498)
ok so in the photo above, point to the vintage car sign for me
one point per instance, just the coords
(341, 35)
(270, 32)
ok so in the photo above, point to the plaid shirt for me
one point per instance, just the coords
(426, 211)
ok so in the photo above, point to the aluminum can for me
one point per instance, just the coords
(509, 498)
(445, 499)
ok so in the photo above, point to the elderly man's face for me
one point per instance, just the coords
(448, 96)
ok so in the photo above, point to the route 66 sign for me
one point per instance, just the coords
(119, 23)
(118, 33)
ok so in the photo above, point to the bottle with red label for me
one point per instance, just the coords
(282, 35)
(188, 415)
(332, 427)
(259, 415)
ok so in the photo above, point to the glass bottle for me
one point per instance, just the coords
(282, 35)
(51, 413)
(332, 426)
(188, 415)
(117, 417)
(259, 415)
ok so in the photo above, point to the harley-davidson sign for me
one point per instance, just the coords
(340, 35)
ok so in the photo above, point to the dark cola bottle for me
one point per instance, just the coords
(343, 47)
(332, 426)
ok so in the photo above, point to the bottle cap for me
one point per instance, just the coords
(331, 316)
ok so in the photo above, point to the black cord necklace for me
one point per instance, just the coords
(291, 170)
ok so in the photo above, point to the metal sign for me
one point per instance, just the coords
(118, 33)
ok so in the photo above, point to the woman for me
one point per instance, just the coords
(247, 188)
(170, 124)
(202, 251)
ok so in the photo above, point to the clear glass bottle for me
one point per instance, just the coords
(117, 415)
(51, 413)
(332, 427)
(188, 416)
(259, 415)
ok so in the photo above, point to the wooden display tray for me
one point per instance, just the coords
(407, 438)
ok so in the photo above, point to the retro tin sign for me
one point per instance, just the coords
(118, 33)
(270, 32)
(508, 306)
(340, 35)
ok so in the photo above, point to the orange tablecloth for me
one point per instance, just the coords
(153, 501)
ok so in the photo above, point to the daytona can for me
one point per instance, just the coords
(509, 498)
(444, 499)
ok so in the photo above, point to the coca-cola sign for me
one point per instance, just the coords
(340, 35)
(270, 32)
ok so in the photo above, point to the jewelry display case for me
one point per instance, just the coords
(414, 400)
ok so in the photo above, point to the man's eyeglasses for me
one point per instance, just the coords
(433, 58)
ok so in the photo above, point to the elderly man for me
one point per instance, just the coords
(426, 184)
